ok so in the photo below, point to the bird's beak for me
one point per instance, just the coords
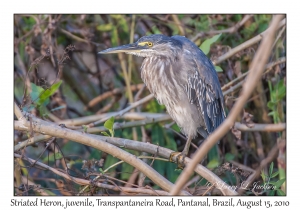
(128, 48)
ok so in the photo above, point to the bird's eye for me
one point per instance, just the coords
(150, 44)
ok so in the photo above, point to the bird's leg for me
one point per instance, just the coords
(185, 151)
(179, 156)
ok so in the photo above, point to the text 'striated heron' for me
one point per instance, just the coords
(182, 78)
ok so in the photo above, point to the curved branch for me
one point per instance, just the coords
(255, 73)
(52, 129)
(166, 117)
(124, 143)
(98, 184)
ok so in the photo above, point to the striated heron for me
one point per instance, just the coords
(181, 77)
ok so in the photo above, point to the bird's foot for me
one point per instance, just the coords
(178, 157)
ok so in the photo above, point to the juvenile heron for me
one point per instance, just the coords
(182, 78)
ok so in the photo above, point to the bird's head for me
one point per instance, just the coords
(157, 45)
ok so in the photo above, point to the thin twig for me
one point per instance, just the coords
(230, 30)
(127, 116)
(79, 39)
(120, 113)
(246, 44)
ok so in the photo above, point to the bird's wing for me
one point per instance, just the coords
(203, 87)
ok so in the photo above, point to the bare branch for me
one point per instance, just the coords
(165, 117)
(261, 127)
(93, 141)
(98, 184)
(52, 129)
(18, 112)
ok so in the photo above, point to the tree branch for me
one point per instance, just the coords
(52, 129)
(18, 112)
(261, 127)
(98, 184)
(97, 141)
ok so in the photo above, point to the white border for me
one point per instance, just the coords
(142, 7)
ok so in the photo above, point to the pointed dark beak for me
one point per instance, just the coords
(125, 48)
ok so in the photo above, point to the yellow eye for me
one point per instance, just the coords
(150, 44)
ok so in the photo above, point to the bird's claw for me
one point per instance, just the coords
(177, 157)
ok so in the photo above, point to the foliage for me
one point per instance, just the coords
(270, 179)
(277, 94)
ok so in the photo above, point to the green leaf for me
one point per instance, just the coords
(274, 174)
(271, 168)
(263, 176)
(280, 192)
(271, 113)
(229, 156)
(279, 183)
(105, 27)
(84, 128)
(272, 192)
(213, 164)
(109, 125)
(43, 111)
(101, 170)
(218, 69)
(104, 133)
(272, 183)
(36, 91)
(58, 156)
(49, 92)
(176, 127)
(205, 46)
(271, 105)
